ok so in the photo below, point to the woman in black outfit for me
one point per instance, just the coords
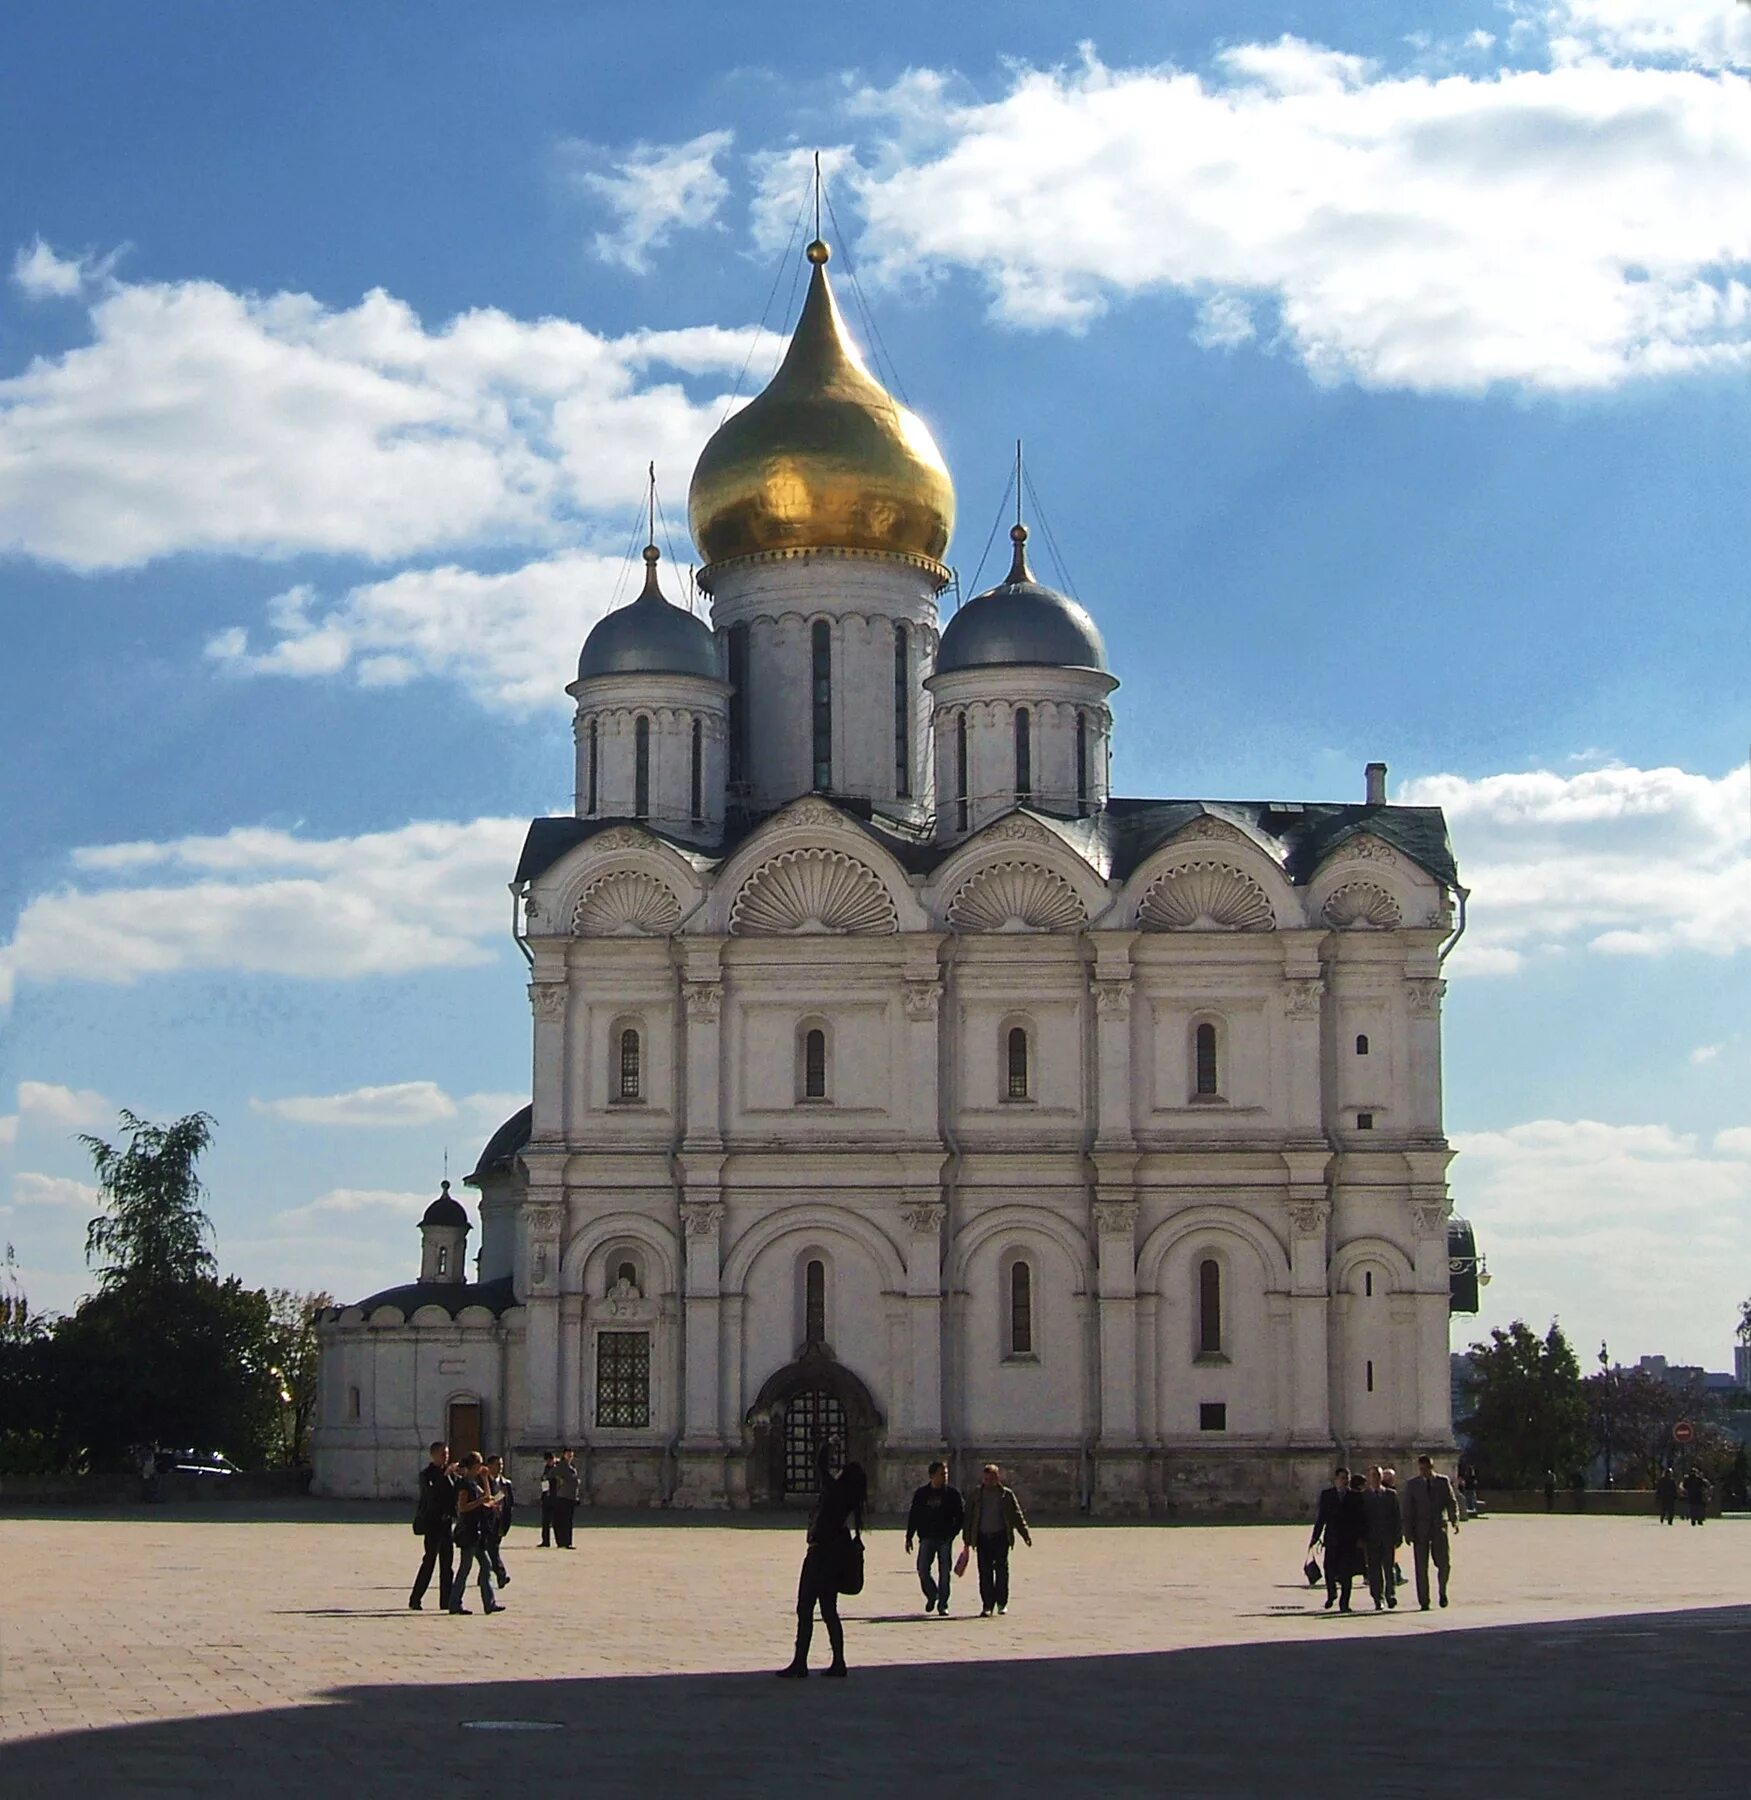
(839, 1513)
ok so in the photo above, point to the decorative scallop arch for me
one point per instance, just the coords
(625, 903)
(1016, 894)
(1362, 906)
(626, 852)
(813, 889)
(1205, 894)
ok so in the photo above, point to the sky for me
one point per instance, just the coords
(1384, 378)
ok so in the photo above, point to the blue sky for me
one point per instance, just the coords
(1384, 377)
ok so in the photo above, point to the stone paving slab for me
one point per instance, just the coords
(158, 1654)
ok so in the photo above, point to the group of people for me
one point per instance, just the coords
(463, 1505)
(986, 1528)
(560, 1489)
(1363, 1520)
(1695, 1488)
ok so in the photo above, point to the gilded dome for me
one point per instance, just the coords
(824, 458)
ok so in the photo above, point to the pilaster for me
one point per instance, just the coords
(1310, 1373)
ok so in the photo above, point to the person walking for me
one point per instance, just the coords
(1429, 1508)
(1696, 1492)
(566, 1488)
(548, 1459)
(838, 1514)
(1468, 1487)
(993, 1521)
(1384, 1535)
(1550, 1490)
(935, 1521)
(1328, 1534)
(1666, 1492)
(474, 1525)
(434, 1517)
(1389, 1481)
(498, 1485)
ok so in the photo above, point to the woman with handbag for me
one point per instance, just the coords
(832, 1565)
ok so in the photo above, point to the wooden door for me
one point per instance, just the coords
(464, 1427)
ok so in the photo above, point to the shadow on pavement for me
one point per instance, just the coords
(1616, 1706)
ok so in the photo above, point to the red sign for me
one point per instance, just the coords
(1683, 1432)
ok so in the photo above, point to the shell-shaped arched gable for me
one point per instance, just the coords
(1366, 884)
(621, 882)
(1362, 906)
(626, 903)
(1017, 875)
(1210, 877)
(813, 889)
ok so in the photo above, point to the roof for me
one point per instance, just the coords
(502, 1147)
(650, 637)
(1117, 840)
(446, 1210)
(497, 1296)
(1021, 621)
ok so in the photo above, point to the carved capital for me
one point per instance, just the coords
(1115, 1218)
(1429, 1220)
(921, 1000)
(545, 1221)
(1308, 1217)
(924, 1220)
(704, 1000)
(1112, 996)
(548, 999)
(1305, 993)
(702, 1218)
(1423, 994)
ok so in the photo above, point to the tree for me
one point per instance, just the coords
(1529, 1412)
(297, 1356)
(153, 1232)
(29, 1443)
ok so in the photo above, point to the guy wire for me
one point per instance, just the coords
(877, 343)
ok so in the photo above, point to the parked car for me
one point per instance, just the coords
(196, 1462)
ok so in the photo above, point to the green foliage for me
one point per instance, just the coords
(153, 1232)
(1529, 1412)
(296, 1355)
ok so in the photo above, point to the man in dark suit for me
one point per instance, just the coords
(1429, 1508)
(1329, 1529)
(1385, 1534)
(567, 1487)
(434, 1517)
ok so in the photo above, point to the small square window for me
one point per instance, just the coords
(1213, 1416)
(1364, 1121)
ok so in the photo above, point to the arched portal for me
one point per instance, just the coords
(812, 1415)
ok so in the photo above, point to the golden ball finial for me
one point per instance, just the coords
(818, 252)
(652, 555)
(1018, 534)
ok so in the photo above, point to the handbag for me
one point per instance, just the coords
(851, 1567)
(1314, 1573)
(961, 1560)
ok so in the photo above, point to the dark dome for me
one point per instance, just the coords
(1020, 621)
(503, 1145)
(446, 1210)
(650, 637)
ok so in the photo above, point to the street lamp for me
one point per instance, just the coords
(1605, 1404)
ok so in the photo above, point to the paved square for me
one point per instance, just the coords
(203, 1654)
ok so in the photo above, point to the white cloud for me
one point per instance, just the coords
(1734, 1142)
(510, 640)
(1558, 228)
(44, 1106)
(32, 1189)
(1705, 1053)
(8, 1130)
(201, 419)
(1620, 861)
(1707, 33)
(429, 895)
(399, 1103)
(1574, 1214)
(654, 190)
(42, 275)
(1224, 322)
(361, 1205)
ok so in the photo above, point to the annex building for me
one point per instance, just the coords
(895, 1083)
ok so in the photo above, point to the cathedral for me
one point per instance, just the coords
(898, 1091)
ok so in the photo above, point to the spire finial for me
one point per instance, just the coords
(817, 251)
(650, 504)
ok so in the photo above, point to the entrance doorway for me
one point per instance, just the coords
(814, 1424)
(810, 1405)
(464, 1427)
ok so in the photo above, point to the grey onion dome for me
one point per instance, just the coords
(649, 637)
(1020, 621)
(445, 1210)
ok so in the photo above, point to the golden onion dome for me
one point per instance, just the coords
(824, 458)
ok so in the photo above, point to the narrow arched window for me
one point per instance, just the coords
(814, 1064)
(963, 798)
(1368, 1283)
(627, 1272)
(352, 1403)
(815, 1303)
(1021, 1309)
(1209, 1307)
(902, 715)
(1208, 1073)
(631, 1074)
(641, 769)
(1016, 1054)
(698, 773)
(1081, 764)
(1024, 756)
(593, 753)
(443, 1259)
(821, 688)
(737, 646)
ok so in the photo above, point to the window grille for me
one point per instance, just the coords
(1021, 1309)
(815, 1303)
(962, 796)
(1209, 1307)
(902, 715)
(641, 769)
(594, 775)
(698, 795)
(630, 1071)
(1018, 1058)
(1024, 756)
(1208, 1073)
(623, 1380)
(821, 642)
(814, 1065)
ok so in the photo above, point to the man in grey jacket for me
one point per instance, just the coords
(994, 1517)
(1429, 1508)
(566, 1488)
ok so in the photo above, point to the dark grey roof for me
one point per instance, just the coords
(446, 1210)
(650, 637)
(502, 1147)
(1117, 840)
(497, 1296)
(1020, 621)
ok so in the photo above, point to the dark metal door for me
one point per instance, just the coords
(812, 1419)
